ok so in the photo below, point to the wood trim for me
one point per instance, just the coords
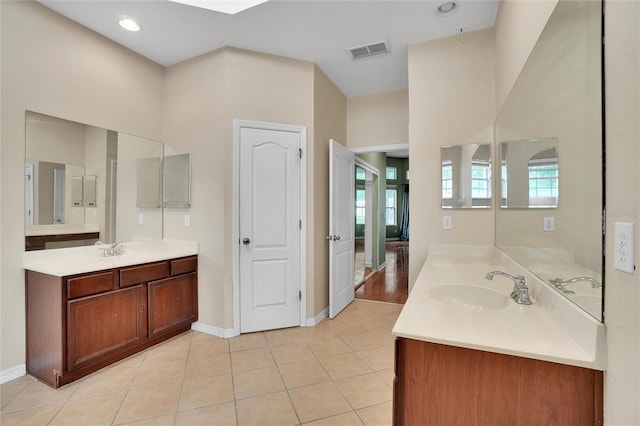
(86, 285)
(134, 275)
(184, 265)
(44, 325)
(439, 384)
(39, 242)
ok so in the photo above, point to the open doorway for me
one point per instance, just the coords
(366, 202)
(387, 278)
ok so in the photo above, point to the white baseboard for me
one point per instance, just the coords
(13, 373)
(223, 333)
(312, 322)
(382, 266)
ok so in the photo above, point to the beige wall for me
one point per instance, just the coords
(622, 290)
(378, 119)
(54, 66)
(330, 122)
(518, 26)
(203, 97)
(451, 102)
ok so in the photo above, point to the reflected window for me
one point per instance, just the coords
(360, 206)
(481, 179)
(543, 182)
(391, 173)
(447, 180)
(391, 206)
(407, 175)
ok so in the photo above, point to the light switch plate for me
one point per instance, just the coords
(187, 220)
(549, 224)
(446, 222)
(624, 245)
(140, 219)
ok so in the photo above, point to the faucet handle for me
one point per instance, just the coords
(522, 296)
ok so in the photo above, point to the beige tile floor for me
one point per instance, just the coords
(337, 373)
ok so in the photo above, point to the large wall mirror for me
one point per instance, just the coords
(552, 123)
(80, 185)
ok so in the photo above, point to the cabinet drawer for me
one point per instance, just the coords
(182, 266)
(144, 273)
(87, 285)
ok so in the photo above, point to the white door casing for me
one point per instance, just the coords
(269, 227)
(341, 227)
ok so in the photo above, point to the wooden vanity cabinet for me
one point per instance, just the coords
(446, 385)
(79, 324)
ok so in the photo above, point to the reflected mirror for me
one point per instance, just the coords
(176, 184)
(466, 176)
(78, 185)
(529, 173)
(557, 94)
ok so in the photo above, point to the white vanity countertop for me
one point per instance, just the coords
(552, 329)
(78, 260)
(39, 230)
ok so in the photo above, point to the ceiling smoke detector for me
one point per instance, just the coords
(365, 51)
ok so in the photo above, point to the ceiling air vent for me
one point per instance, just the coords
(365, 51)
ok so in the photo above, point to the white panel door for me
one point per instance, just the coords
(341, 227)
(269, 229)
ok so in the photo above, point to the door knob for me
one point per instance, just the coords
(246, 241)
(337, 237)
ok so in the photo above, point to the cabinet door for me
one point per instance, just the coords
(101, 325)
(173, 303)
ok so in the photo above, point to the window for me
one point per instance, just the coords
(360, 206)
(503, 180)
(447, 180)
(361, 174)
(391, 173)
(391, 206)
(543, 182)
(481, 179)
(407, 175)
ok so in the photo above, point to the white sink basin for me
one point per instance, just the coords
(480, 298)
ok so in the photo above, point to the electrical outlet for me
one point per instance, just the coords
(187, 220)
(624, 247)
(549, 224)
(140, 219)
(446, 222)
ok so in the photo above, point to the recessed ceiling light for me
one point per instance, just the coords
(446, 9)
(129, 24)
(230, 7)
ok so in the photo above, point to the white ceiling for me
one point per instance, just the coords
(317, 31)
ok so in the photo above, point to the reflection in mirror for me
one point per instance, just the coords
(176, 184)
(557, 93)
(148, 178)
(529, 173)
(89, 191)
(72, 191)
(466, 176)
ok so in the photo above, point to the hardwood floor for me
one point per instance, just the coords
(392, 283)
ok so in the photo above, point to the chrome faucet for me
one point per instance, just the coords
(520, 292)
(559, 283)
(112, 250)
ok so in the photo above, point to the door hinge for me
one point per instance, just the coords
(300, 295)
(300, 224)
(300, 152)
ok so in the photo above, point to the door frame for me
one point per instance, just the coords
(302, 131)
